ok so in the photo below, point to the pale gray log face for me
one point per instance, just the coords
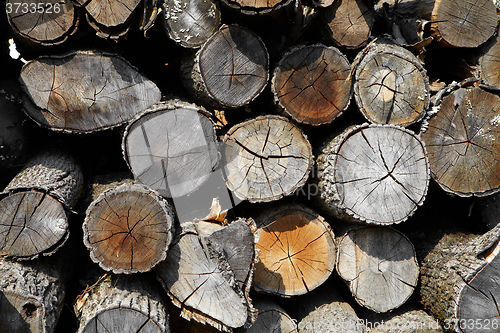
(109, 13)
(121, 320)
(20, 314)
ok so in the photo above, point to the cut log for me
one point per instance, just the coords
(348, 23)
(380, 267)
(172, 148)
(313, 84)
(406, 319)
(208, 273)
(191, 23)
(252, 7)
(122, 304)
(373, 174)
(49, 22)
(272, 318)
(62, 98)
(297, 251)
(489, 64)
(266, 158)
(230, 70)
(128, 229)
(390, 85)
(463, 142)
(31, 295)
(33, 219)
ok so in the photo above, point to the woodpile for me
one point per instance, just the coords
(249, 166)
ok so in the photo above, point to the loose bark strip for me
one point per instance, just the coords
(208, 273)
(374, 174)
(128, 229)
(348, 23)
(230, 70)
(266, 158)
(172, 148)
(463, 140)
(122, 304)
(252, 7)
(150, 12)
(297, 251)
(391, 85)
(33, 219)
(49, 22)
(191, 23)
(380, 267)
(271, 318)
(313, 84)
(63, 99)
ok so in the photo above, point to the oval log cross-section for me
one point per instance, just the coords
(266, 158)
(313, 84)
(128, 229)
(463, 143)
(109, 94)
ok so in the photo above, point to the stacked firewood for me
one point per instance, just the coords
(249, 166)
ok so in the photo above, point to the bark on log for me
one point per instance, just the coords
(253, 7)
(390, 85)
(230, 70)
(348, 23)
(33, 219)
(297, 251)
(271, 319)
(208, 273)
(369, 167)
(266, 158)
(463, 140)
(403, 320)
(63, 99)
(191, 23)
(122, 304)
(313, 84)
(128, 229)
(172, 148)
(49, 22)
(379, 265)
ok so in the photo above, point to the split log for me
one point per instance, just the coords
(390, 85)
(379, 265)
(313, 84)
(172, 148)
(128, 229)
(266, 158)
(33, 206)
(463, 140)
(272, 318)
(230, 70)
(297, 251)
(49, 22)
(253, 7)
(122, 304)
(208, 273)
(63, 99)
(373, 174)
(347, 23)
(191, 23)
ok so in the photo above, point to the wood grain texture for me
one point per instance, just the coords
(63, 99)
(266, 158)
(253, 7)
(313, 84)
(462, 143)
(297, 251)
(271, 318)
(374, 174)
(489, 63)
(380, 267)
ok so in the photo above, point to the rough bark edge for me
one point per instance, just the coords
(330, 202)
(138, 188)
(289, 52)
(250, 11)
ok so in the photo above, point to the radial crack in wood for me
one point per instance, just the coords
(489, 63)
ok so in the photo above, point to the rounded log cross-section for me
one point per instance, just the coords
(252, 7)
(266, 158)
(191, 23)
(391, 85)
(348, 23)
(63, 99)
(373, 174)
(380, 267)
(489, 63)
(463, 143)
(297, 251)
(313, 84)
(230, 70)
(128, 229)
(48, 23)
(172, 148)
